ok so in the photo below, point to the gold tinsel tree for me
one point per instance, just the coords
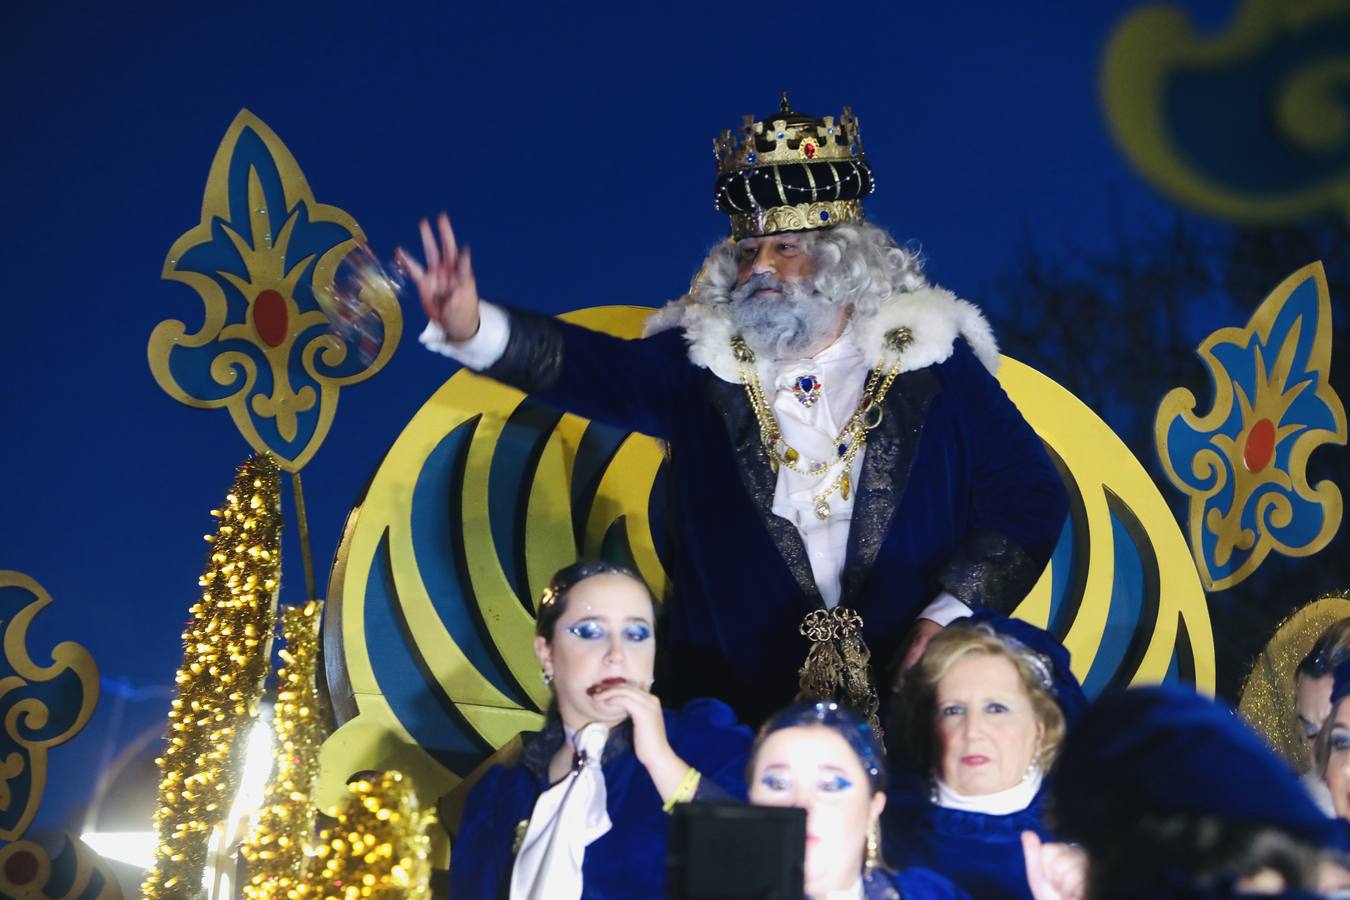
(378, 845)
(225, 660)
(282, 836)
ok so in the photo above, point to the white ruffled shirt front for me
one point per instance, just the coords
(842, 372)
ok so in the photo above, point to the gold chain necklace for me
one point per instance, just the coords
(852, 437)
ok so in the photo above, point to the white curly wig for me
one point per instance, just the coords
(857, 265)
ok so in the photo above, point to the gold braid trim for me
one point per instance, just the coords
(795, 217)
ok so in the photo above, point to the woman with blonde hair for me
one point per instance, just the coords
(983, 715)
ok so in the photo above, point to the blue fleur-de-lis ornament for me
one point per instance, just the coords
(263, 255)
(42, 704)
(1244, 463)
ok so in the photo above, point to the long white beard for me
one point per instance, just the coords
(786, 326)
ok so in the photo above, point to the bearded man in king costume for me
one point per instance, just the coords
(839, 447)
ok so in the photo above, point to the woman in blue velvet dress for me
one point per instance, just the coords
(826, 759)
(585, 810)
(984, 713)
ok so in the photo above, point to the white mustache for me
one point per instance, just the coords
(756, 282)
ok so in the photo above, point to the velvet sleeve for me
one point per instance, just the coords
(1017, 499)
(634, 384)
(925, 884)
(481, 858)
(712, 741)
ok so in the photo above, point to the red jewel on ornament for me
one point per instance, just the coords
(270, 317)
(809, 150)
(21, 868)
(1260, 446)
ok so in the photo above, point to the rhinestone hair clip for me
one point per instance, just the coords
(862, 746)
(1039, 662)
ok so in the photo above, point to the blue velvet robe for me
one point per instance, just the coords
(981, 854)
(956, 493)
(913, 884)
(628, 861)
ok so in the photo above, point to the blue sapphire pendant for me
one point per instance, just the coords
(807, 390)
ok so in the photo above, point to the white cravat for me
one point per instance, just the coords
(566, 819)
(842, 372)
(1002, 803)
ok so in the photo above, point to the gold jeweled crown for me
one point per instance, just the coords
(789, 137)
(791, 172)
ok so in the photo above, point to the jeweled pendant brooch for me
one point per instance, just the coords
(807, 390)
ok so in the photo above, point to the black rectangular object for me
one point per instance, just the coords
(730, 851)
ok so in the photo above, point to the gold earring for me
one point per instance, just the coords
(548, 677)
(873, 849)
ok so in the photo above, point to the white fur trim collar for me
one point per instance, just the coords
(934, 317)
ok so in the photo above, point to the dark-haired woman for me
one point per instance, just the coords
(585, 810)
(825, 759)
(1312, 701)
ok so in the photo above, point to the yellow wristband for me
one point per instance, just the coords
(685, 792)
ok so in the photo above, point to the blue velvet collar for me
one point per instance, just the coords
(538, 748)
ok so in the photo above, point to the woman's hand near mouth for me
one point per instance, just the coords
(650, 744)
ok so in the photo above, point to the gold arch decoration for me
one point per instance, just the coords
(1267, 698)
(1247, 122)
(1125, 531)
(262, 253)
(429, 628)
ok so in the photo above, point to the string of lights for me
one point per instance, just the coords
(378, 845)
(226, 646)
(279, 844)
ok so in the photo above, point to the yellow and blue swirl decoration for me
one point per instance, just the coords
(1251, 122)
(1244, 464)
(262, 251)
(486, 493)
(41, 705)
(75, 872)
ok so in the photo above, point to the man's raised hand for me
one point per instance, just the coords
(446, 285)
